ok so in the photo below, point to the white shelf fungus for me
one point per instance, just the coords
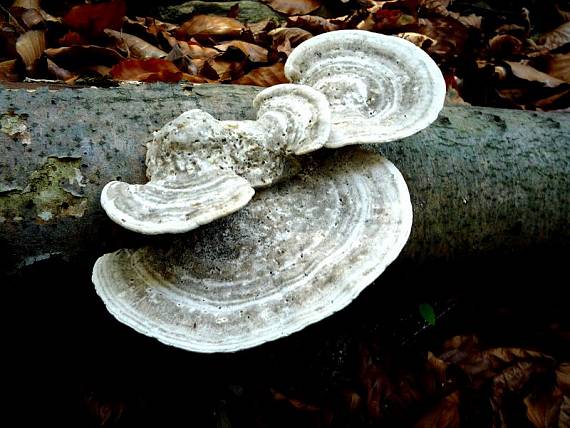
(201, 169)
(380, 88)
(300, 251)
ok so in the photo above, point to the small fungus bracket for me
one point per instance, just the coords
(201, 169)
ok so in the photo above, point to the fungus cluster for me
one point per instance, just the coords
(292, 253)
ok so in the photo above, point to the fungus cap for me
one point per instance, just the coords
(300, 251)
(380, 88)
(201, 169)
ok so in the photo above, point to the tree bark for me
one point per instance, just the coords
(482, 181)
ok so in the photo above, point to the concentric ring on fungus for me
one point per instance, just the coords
(300, 251)
(380, 88)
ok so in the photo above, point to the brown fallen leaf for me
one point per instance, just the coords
(295, 403)
(556, 38)
(286, 39)
(264, 76)
(314, 24)
(221, 70)
(505, 45)
(79, 56)
(293, 7)
(444, 415)
(30, 46)
(72, 38)
(450, 35)
(543, 411)
(135, 46)
(93, 19)
(26, 4)
(147, 70)
(253, 52)
(526, 72)
(559, 66)
(8, 71)
(8, 37)
(420, 40)
(204, 26)
(60, 73)
(32, 18)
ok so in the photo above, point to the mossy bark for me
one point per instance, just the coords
(249, 10)
(482, 181)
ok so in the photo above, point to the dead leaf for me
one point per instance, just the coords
(60, 73)
(264, 76)
(295, 403)
(286, 39)
(253, 52)
(313, 24)
(234, 11)
(526, 72)
(32, 18)
(72, 38)
(420, 40)
(79, 56)
(135, 46)
(556, 38)
(505, 45)
(147, 70)
(293, 7)
(204, 26)
(93, 19)
(544, 411)
(450, 35)
(26, 4)
(444, 415)
(30, 46)
(559, 67)
(8, 71)
(222, 70)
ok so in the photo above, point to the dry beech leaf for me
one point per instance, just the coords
(253, 52)
(544, 411)
(8, 72)
(264, 76)
(78, 56)
(72, 38)
(293, 7)
(444, 415)
(296, 403)
(60, 73)
(147, 70)
(526, 72)
(222, 70)
(505, 45)
(135, 46)
(30, 46)
(313, 24)
(32, 18)
(92, 19)
(27, 4)
(420, 40)
(204, 26)
(286, 39)
(556, 38)
(449, 34)
(559, 67)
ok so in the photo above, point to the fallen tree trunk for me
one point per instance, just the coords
(482, 181)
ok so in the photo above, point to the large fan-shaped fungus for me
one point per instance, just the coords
(298, 252)
(380, 88)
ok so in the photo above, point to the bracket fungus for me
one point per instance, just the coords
(201, 168)
(300, 251)
(354, 87)
(380, 88)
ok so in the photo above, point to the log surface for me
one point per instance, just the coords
(482, 180)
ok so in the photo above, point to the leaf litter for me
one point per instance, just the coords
(492, 54)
